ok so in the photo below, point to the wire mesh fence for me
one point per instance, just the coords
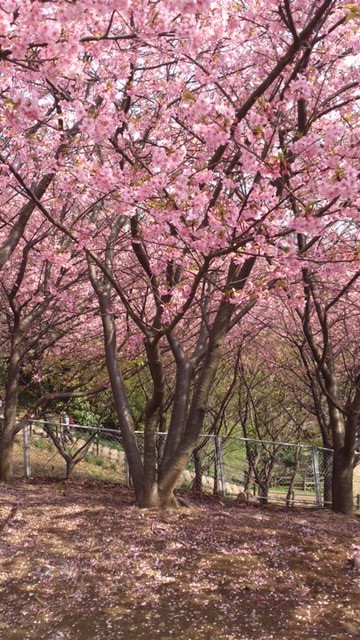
(265, 471)
(55, 449)
(246, 469)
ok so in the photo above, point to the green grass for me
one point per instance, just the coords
(297, 491)
(110, 444)
(101, 442)
(91, 459)
(42, 444)
(46, 461)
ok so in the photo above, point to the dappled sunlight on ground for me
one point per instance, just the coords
(79, 561)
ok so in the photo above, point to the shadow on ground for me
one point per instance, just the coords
(79, 561)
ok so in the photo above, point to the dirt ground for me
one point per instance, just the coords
(79, 561)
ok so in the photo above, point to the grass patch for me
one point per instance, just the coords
(46, 461)
(42, 444)
(91, 459)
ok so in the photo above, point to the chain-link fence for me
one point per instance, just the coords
(58, 450)
(263, 471)
(246, 469)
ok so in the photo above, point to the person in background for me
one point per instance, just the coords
(65, 425)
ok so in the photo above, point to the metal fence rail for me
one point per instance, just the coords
(243, 468)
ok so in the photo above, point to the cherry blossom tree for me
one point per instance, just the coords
(43, 300)
(314, 351)
(328, 339)
(164, 276)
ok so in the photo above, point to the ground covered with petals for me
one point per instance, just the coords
(79, 561)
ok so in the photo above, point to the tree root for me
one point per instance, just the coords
(183, 503)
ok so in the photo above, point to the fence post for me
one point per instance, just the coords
(316, 475)
(97, 445)
(26, 450)
(219, 455)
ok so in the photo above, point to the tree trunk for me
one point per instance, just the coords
(120, 399)
(342, 482)
(6, 463)
(160, 499)
(160, 446)
(148, 492)
(344, 436)
(263, 494)
(70, 465)
(180, 404)
(8, 425)
(343, 430)
(172, 470)
(253, 458)
(153, 407)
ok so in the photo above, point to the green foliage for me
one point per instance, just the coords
(83, 412)
(288, 457)
(110, 422)
(137, 404)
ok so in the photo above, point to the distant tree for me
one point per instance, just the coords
(41, 305)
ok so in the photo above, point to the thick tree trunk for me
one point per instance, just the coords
(180, 404)
(6, 457)
(8, 425)
(342, 482)
(263, 494)
(148, 492)
(153, 407)
(172, 470)
(121, 401)
(160, 499)
(344, 436)
(344, 456)
(116, 380)
(70, 466)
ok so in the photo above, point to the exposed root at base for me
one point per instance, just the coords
(184, 503)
